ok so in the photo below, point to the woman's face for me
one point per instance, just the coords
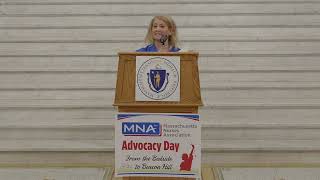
(159, 29)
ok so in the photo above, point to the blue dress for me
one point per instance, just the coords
(153, 48)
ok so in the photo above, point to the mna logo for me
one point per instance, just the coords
(141, 129)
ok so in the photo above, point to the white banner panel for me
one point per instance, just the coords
(163, 145)
(157, 78)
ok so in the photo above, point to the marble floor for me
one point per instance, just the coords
(208, 173)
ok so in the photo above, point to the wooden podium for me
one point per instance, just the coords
(190, 97)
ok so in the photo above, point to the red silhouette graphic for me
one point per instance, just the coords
(187, 160)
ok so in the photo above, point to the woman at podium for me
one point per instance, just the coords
(162, 35)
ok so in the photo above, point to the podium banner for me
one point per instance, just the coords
(159, 145)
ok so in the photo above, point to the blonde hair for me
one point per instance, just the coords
(173, 38)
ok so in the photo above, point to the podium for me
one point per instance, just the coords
(190, 96)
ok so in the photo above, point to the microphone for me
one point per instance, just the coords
(163, 39)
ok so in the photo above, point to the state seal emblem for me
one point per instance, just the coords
(157, 79)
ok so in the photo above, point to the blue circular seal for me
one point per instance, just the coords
(157, 78)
